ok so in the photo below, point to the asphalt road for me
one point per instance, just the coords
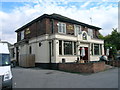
(43, 78)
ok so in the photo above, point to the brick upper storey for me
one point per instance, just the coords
(51, 24)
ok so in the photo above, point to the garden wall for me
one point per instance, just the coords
(90, 67)
(115, 63)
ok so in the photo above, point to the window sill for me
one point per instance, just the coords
(67, 55)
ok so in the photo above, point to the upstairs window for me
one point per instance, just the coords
(90, 32)
(61, 27)
(77, 30)
(22, 35)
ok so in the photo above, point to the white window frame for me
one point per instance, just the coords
(90, 32)
(99, 47)
(62, 27)
(63, 41)
(22, 35)
(77, 30)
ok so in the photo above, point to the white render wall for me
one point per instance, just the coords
(42, 52)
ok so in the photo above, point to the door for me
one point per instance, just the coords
(86, 54)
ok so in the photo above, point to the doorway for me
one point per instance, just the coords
(85, 58)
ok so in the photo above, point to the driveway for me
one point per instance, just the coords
(44, 78)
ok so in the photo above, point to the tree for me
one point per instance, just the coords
(112, 40)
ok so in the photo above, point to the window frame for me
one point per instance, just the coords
(62, 27)
(62, 48)
(76, 30)
(90, 32)
(22, 35)
(68, 47)
(99, 50)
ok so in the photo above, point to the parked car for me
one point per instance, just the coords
(103, 58)
(5, 67)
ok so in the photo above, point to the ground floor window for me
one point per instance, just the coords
(74, 48)
(30, 50)
(96, 49)
(60, 47)
(52, 48)
(67, 47)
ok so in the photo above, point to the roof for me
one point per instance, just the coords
(60, 18)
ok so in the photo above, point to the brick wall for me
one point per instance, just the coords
(115, 63)
(91, 67)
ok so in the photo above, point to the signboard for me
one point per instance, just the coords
(27, 31)
(70, 27)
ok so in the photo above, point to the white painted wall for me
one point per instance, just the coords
(94, 58)
(42, 52)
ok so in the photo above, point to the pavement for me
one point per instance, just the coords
(44, 78)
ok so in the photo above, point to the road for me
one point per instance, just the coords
(43, 78)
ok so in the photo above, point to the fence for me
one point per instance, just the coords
(27, 60)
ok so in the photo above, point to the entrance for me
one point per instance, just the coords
(85, 58)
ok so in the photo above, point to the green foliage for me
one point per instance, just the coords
(100, 36)
(112, 41)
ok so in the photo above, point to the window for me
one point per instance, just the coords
(67, 48)
(100, 49)
(92, 49)
(30, 50)
(4, 59)
(96, 49)
(52, 48)
(61, 27)
(77, 30)
(60, 47)
(74, 48)
(22, 35)
(90, 32)
(84, 36)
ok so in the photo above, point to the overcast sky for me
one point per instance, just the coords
(13, 15)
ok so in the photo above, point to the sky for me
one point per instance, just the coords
(16, 13)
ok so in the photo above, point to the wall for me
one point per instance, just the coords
(83, 67)
(41, 52)
(94, 57)
(85, 43)
(115, 63)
